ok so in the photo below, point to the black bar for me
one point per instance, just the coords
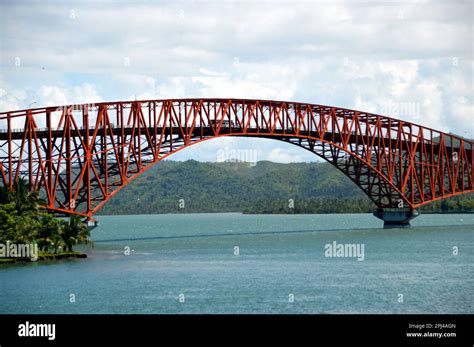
(225, 329)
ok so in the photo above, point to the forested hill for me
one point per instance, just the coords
(267, 187)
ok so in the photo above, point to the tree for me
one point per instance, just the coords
(23, 221)
(26, 201)
(49, 232)
(8, 222)
(6, 195)
(57, 241)
(75, 232)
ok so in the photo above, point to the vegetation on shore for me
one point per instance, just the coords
(46, 256)
(267, 187)
(23, 222)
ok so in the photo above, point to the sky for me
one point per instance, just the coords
(411, 60)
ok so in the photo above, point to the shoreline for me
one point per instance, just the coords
(269, 213)
(44, 257)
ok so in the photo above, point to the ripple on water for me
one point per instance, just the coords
(278, 255)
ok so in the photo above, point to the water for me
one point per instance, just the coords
(279, 255)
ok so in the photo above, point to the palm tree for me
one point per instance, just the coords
(26, 201)
(56, 242)
(6, 195)
(49, 232)
(75, 232)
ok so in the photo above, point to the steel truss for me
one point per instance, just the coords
(80, 156)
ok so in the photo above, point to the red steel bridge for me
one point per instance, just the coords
(80, 156)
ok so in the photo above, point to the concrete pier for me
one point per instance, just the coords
(91, 223)
(396, 217)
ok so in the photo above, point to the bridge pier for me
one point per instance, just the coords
(91, 223)
(396, 218)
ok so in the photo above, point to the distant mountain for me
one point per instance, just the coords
(267, 187)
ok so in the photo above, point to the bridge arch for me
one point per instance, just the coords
(81, 155)
(297, 141)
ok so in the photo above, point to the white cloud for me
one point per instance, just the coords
(431, 100)
(11, 100)
(402, 74)
(50, 95)
(281, 155)
(463, 113)
(396, 52)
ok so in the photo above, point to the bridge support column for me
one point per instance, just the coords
(91, 223)
(396, 218)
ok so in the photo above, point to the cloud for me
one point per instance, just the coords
(364, 55)
(462, 111)
(282, 155)
(257, 149)
(11, 99)
(51, 95)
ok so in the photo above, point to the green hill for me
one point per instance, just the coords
(266, 187)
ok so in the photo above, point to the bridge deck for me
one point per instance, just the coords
(207, 131)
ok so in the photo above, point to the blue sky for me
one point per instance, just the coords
(408, 59)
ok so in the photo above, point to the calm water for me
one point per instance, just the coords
(279, 255)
